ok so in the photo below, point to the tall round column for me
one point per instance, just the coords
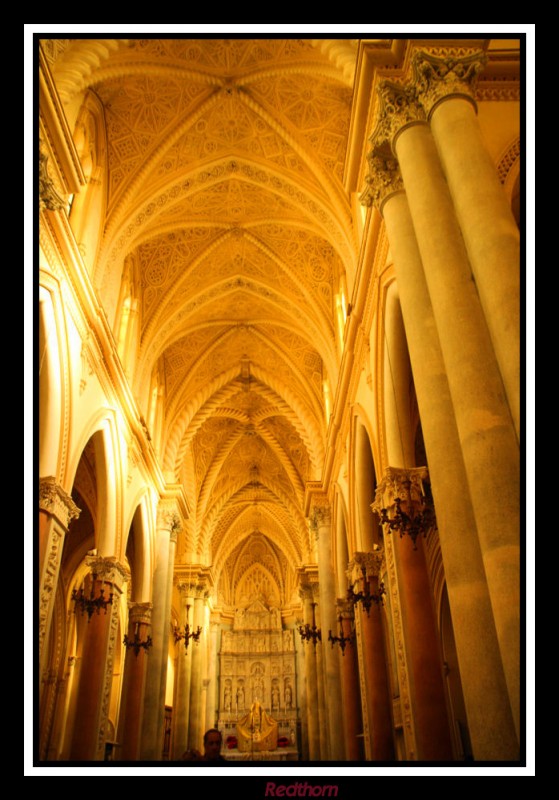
(181, 708)
(212, 685)
(446, 90)
(195, 732)
(303, 739)
(133, 684)
(324, 735)
(323, 523)
(168, 522)
(311, 685)
(96, 675)
(485, 428)
(365, 568)
(353, 725)
(481, 669)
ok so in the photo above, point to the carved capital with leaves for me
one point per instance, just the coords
(437, 78)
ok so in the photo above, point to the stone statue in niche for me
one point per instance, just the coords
(227, 696)
(258, 689)
(287, 640)
(288, 696)
(240, 697)
(275, 696)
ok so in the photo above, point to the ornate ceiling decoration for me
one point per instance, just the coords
(225, 190)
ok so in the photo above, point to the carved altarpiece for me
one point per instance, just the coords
(257, 663)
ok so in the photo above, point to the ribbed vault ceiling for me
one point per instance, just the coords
(225, 165)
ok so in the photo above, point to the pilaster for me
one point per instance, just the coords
(56, 511)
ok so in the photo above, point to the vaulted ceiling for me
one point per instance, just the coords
(225, 191)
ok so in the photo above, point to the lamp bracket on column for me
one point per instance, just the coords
(136, 644)
(91, 604)
(310, 633)
(342, 640)
(188, 634)
(412, 512)
(366, 597)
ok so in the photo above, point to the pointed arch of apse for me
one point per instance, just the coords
(236, 588)
(230, 539)
(244, 547)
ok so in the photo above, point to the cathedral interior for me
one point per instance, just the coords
(279, 406)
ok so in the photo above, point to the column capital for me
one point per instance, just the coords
(321, 514)
(55, 501)
(308, 582)
(186, 588)
(398, 109)
(345, 609)
(396, 482)
(140, 612)
(168, 518)
(109, 569)
(372, 562)
(404, 503)
(384, 179)
(440, 78)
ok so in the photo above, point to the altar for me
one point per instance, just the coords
(257, 686)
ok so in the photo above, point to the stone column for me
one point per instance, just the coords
(181, 709)
(422, 644)
(324, 733)
(310, 679)
(96, 675)
(133, 684)
(375, 667)
(481, 670)
(195, 732)
(445, 89)
(353, 725)
(212, 671)
(302, 697)
(56, 511)
(322, 523)
(168, 523)
(487, 436)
